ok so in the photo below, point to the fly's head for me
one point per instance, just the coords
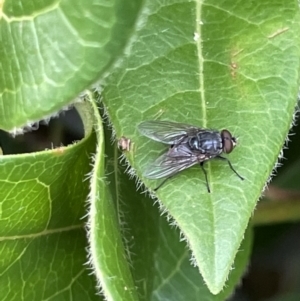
(228, 141)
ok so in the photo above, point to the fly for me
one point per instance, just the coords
(188, 145)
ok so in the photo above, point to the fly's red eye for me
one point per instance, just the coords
(229, 142)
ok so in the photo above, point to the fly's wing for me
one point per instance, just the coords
(167, 132)
(177, 158)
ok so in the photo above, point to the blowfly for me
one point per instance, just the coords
(188, 145)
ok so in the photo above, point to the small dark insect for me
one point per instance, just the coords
(189, 145)
(124, 144)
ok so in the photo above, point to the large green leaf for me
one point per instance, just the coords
(215, 65)
(52, 50)
(43, 240)
(160, 263)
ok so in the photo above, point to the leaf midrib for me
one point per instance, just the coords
(203, 101)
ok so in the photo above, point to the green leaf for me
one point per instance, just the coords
(213, 65)
(51, 51)
(176, 279)
(107, 252)
(42, 235)
(161, 264)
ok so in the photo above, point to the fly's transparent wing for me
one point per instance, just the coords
(167, 132)
(177, 158)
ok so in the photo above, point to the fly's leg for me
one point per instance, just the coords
(205, 173)
(162, 183)
(231, 167)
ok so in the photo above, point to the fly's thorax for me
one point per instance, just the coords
(207, 142)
